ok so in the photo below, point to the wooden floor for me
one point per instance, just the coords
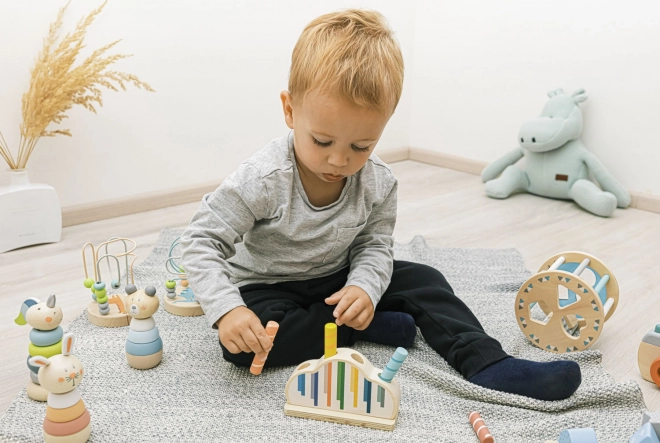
(447, 207)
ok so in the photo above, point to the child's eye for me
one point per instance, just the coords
(355, 148)
(321, 144)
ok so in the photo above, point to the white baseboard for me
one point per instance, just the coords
(645, 202)
(75, 215)
(447, 161)
(85, 213)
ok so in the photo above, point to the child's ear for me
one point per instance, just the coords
(39, 361)
(287, 107)
(67, 344)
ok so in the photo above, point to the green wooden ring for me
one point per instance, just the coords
(45, 351)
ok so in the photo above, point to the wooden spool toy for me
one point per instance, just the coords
(179, 300)
(576, 293)
(67, 419)
(648, 356)
(108, 310)
(45, 337)
(144, 347)
(344, 387)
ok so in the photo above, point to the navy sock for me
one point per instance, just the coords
(554, 380)
(391, 329)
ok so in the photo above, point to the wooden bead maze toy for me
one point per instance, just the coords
(67, 419)
(45, 337)
(576, 294)
(108, 310)
(144, 347)
(648, 356)
(179, 299)
(344, 387)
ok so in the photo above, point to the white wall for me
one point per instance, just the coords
(484, 67)
(218, 68)
(475, 70)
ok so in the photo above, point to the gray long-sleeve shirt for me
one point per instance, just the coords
(258, 226)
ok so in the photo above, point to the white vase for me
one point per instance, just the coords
(30, 213)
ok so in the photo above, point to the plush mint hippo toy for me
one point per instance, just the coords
(557, 164)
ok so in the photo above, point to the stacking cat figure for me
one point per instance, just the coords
(144, 347)
(67, 418)
(45, 338)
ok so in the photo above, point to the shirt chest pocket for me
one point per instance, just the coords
(345, 237)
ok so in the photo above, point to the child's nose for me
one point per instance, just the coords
(49, 319)
(72, 375)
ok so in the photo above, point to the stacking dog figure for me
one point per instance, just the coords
(67, 418)
(45, 337)
(144, 347)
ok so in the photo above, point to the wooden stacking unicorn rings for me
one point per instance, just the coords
(576, 294)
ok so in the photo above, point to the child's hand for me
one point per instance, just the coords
(240, 330)
(354, 307)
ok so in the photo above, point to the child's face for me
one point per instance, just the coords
(347, 134)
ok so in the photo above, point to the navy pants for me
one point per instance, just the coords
(446, 323)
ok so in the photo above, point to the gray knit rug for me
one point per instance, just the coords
(194, 395)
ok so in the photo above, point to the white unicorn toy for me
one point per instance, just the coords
(67, 418)
(45, 338)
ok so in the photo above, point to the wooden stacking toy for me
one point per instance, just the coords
(144, 347)
(648, 356)
(576, 293)
(344, 387)
(67, 419)
(108, 311)
(179, 300)
(45, 337)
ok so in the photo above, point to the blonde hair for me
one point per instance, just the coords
(352, 52)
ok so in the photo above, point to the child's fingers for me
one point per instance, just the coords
(240, 342)
(232, 347)
(363, 320)
(350, 313)
(346, 301)
(334, 298)
(359, 318)
(262, 337)
(253, 343)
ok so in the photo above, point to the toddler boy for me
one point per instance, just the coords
(301, 232)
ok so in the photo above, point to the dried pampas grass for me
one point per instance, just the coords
(56, 85)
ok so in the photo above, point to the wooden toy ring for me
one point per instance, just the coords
(655, 371)
(550, 335)
(595, 264)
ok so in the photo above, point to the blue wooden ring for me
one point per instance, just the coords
(138, 337)
(46, 338)
(143, 349)
(34, 369)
